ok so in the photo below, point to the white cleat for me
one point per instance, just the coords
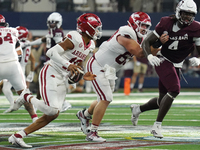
(9, 110)
(18, 141)
(66, 105)
(156, 131)
(93, 137)
(20, 100)
(135, 115)
(85, 121)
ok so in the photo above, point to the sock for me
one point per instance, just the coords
(86, 113)
(94, 127)
(140, 86)
(34, 117)
(158, 123)
(27, 97)
(20, 134)
(132, 85)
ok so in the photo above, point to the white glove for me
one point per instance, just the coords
(194, 61)
(153, 60)
(30, 77)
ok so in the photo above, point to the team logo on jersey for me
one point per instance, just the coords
(184, 37)
(69, 36)
(79, 54)
(81, 45)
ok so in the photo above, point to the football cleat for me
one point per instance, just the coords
(135, 114)
(18, 141)
(156, 131)
(85, 121)
(20, 100)
(66, 105)
(9, 110)
(93, 137)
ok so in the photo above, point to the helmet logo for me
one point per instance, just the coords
(92, 19)
(2, 20)
(135, 15)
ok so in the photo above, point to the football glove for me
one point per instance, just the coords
(30, 77)
(153, 60)
(194, 61)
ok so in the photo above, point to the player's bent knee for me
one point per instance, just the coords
(173, 94)
(51, 111)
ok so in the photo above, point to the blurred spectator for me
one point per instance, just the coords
(123, 5)
(139, 69)
(64, 5)
(146, 5)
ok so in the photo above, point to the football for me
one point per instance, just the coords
(76, 77)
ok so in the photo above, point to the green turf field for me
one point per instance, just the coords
(181, 126)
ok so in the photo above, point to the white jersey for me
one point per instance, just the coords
(8, 40)
(25, 55)
(77, 54)
(112, 53)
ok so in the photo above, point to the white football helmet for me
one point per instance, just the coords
(188, 6)
(54, 18)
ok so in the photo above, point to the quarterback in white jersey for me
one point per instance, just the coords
(110, 57)
(64, 58)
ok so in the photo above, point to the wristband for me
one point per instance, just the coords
(66, 64)
(157, 44)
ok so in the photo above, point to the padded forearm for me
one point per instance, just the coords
(55, 52)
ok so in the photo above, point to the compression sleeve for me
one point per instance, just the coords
(55, 53)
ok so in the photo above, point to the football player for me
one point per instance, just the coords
(10, 67)
(54, 36)
(26, 55)
(184, 36)
(63, 59)
(110, 57)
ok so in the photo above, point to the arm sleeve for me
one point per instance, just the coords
(55, 53)
(36, 42)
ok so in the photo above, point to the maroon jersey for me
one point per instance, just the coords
(180, 43)
(57, 38)
(51, 41)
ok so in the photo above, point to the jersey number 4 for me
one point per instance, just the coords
(173, 46)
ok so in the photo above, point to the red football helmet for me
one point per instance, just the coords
(3, 21)
(137, 19)
(90, 24)
(23, 32)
